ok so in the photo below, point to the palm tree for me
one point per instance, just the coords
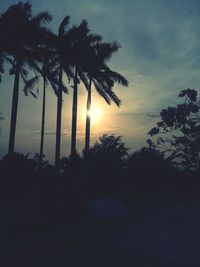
(1, 64)
(29, 86)
(49, 74)
(79, 41)
(23, 37)
(43, 122)
(55, 64)
(103, 79)
(63, 66)
(74, 52)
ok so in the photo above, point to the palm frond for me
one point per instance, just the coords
(33, 94)
(118, 77)
(68, 71)
(42, 17)
(30, 85)
(114, 97)
(1, 63)
(101, 91)
(83, 77)
(63, 25)
(52, 81)
(24, 72)
(102, 77)
(22, 75)
(94, 38)
(64, 88)
(104, 51)
(83, 27)
(11, 61)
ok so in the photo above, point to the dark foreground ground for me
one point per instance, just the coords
(155, 233)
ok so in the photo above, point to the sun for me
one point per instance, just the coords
(95, 113)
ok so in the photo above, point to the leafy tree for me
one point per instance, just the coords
(109, 145)
(17, 171)
(147, 163)
(181, 125)
(45, 167)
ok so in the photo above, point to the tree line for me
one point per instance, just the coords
(36, 53)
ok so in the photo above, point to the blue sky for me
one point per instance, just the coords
(160, 55)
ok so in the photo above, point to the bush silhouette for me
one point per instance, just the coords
(104, 164)
(148, 170)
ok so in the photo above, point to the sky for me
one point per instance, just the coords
(159, 55)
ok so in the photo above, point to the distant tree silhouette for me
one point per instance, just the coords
(45, 167)
(17, 173)
(20, 164)
(182, 126)
(148, 173)
(147, 162)
(73, 169)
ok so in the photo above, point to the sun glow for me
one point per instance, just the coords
(95, 113)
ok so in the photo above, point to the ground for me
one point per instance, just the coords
(157, 233)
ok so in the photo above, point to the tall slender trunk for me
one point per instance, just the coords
(43, 123)
(13, 119)
(58, 124)
(74, 113)
(87, 128)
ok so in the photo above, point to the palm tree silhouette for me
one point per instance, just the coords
(43, 123)
(28, 88)
(23, 34)
(63, 66)
(1, 63)
(78, 41)
(103, 79)
(29, 46)
(49, 73)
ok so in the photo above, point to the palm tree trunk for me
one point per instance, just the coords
(87, 128)
(58, 124)
(43, 124)
(13, 119)
(74, 114)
